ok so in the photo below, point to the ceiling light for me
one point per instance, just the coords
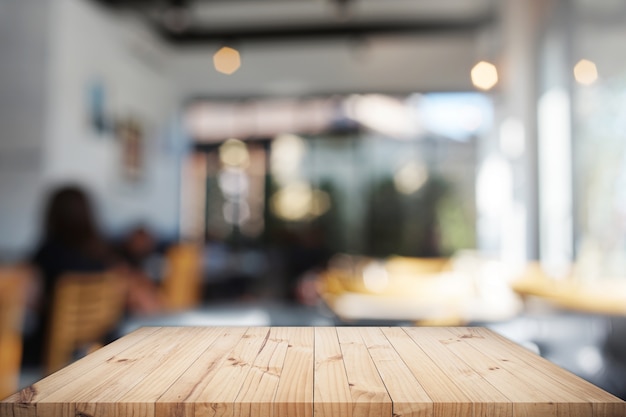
(484, 75)
(585, 72)
(227, 60)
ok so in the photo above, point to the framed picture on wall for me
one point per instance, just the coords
(130, 133)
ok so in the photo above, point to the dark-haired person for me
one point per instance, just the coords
(70, 242)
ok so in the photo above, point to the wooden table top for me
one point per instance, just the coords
(305, 372)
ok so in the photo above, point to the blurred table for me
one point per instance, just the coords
(597, 297)
(236, 314)
(415, 290)
(306, 371)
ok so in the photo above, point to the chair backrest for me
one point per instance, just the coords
(14, 282)
(86, 307)
(182, 283)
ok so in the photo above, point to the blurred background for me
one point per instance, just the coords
(317, 162)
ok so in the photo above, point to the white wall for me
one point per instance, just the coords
(50, 52)
(89, 43)
(24, 61)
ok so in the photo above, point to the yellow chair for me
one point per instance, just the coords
(14, 282)
(85, 308)
(182, 283)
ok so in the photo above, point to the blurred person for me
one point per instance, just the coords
(136, 251)
(307, 255)
(71, 241)
(136, 247)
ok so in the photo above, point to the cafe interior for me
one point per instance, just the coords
(313, 163)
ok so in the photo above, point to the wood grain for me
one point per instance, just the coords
(312, 372)
(140, 400)
(369, 394)
(261, 384)
(331, 392)
(448, 398)
(97, 393)
(407, 394)
(487, 400)
(178, 400)
(294, 397)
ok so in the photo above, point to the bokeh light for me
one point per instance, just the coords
(227, 60)
(234, 153)
(484, 75)
(585, 72)
(410, 178)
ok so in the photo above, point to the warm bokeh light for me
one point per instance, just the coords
(484, 75)
(320, 203)
(410, 178)
(227, 60)
(234, 153)
(375, 277)
(298, 201)
(293, 202)
(585, 72)
(285, 157)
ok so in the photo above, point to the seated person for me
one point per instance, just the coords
(71, 242)
(136, 251)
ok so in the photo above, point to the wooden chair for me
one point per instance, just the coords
(85, 308)
(182, 283)
(14, 282)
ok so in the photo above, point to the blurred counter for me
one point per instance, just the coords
(236, 314)
(601, 296)
(418, 290)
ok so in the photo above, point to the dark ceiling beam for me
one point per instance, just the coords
(195, 35)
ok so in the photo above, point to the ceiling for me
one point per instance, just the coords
(207, 21)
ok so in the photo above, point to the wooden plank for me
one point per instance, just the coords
(256, 398)
(609, 409)
(27, 398)
(487, 400)
(407, 395)
(8, 409)
(18, 405)
(217, 398)
(532, 394)
(332, 395)
(179, 399)
(448, 398)
(574, 384)
(140, 400)
(94, 394)
(369, 394)
(294, 396)
(103, 400)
